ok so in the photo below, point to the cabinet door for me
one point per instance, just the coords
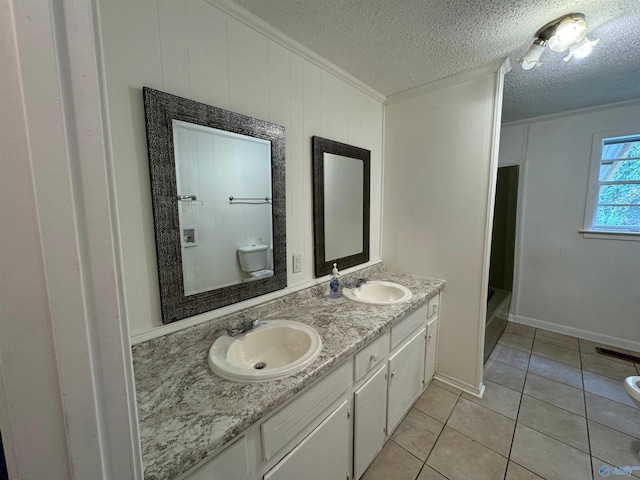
(406, 374)
(322, 455)
(370, 420)
(231, 463)
(432, 349)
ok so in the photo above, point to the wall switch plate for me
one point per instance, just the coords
(297, 263)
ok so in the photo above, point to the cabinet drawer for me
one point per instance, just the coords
(406, 326)
(371, 356)
(304, 410)
(434, 305)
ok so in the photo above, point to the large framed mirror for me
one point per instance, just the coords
(218, 195)
(341, 204)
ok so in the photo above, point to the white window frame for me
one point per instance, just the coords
(589, 231)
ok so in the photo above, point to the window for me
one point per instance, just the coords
(613, 201)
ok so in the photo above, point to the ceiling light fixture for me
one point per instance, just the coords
(581, 49)
(564, 33)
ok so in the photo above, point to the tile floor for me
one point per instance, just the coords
(553, 409)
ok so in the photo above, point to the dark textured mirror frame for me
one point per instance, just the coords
(320, 146)
(160, 110)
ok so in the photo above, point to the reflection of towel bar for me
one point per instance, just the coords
(264, 199)
(187, 197)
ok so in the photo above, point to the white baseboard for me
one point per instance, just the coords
(465, 387)
(577, 332)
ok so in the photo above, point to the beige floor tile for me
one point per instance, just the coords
(613, 447)
(548, 458)
(498, 398)
(556, 422)
(602, 469)
(446, 386)
(510, 356)
(606, 387)
(555, 393)
(613, 414)
(505, 375)
(457, 457)
(483, 425)
(393, 462)
(428, 473)
(560, 372)
(437, 402)
(556, 352)
(519, 329)
(516, 472)
(557, 339)
(603, 366)
(516, 341)
(417, 433)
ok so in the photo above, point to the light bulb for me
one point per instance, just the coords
(532, 57)
(569, 31)
(582, 49)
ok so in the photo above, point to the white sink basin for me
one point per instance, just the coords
(276, 349)
(378, 293)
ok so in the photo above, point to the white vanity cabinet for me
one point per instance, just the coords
(322, 455)
(369, 431)
(337, 426)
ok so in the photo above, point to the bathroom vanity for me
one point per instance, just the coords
(328, 421)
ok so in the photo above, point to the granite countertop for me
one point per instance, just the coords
(186, 412)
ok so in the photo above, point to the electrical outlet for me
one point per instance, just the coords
(297, 263)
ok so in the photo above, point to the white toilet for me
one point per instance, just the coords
(632, 387)
(253, 261)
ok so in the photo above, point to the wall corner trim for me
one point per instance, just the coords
(253, 21)
(502, 65)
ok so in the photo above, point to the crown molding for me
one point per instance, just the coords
(502, 66)
(256, 23)
(570, 113)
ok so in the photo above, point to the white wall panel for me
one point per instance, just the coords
(232, 66)
(173, 46)
(130, 34)
(579, 286)
(248, 70)
(207, 53)
(437, 190)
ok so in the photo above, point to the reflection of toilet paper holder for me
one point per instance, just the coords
(189, 236)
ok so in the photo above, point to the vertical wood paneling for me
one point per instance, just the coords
(297, 156)
(279, 84)
(173, 47)
(191, 48)
(131, 45)
(312, 126)
(248, 70)
(207, 54)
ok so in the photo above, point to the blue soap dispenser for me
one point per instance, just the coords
(334, 284)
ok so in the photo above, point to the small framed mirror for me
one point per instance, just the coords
(218, 195)
(341, 204)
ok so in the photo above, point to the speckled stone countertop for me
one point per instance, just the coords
(186, 412)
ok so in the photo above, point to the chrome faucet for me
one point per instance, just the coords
(243, 326)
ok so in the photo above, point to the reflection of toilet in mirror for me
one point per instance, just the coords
(254, 260)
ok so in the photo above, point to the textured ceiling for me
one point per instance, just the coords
(395, 45)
